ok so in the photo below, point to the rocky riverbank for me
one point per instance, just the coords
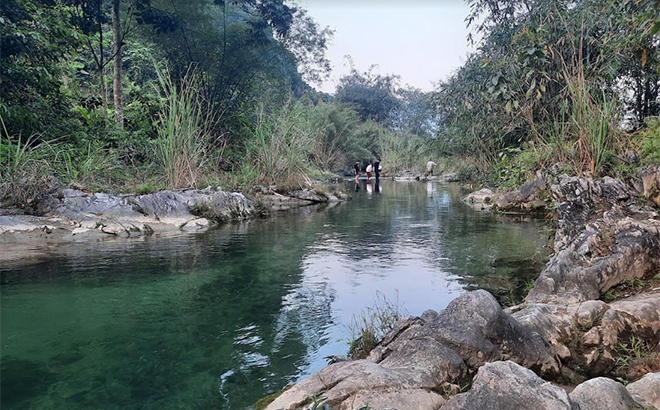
(569, 331)
(72, 215)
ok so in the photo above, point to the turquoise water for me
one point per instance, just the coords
(219, 319)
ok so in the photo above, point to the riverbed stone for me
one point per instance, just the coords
(507, 385)
(612, 250)
(475, 326)
(525, 200)
(389, 399)
(484, 197)
(415, 368)
(646, 391)
(601, 393)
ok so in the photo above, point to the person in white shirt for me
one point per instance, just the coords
(429, 168)
(370, 168)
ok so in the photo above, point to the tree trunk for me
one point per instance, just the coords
(117, 37)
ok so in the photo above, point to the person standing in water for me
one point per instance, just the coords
(429, 168)
(356, 170)
(369, 169)
(377, 169)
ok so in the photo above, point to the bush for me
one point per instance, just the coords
(651, 143)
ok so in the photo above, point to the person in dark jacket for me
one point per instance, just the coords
(356, 170)
(377, 169)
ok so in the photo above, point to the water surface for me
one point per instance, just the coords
(219, 319)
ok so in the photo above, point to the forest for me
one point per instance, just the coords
(142, 95)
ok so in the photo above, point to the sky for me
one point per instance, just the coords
(423, 41)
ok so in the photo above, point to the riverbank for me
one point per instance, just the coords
(75, 215)
(570, 330)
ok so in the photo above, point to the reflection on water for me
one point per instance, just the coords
(220, 319)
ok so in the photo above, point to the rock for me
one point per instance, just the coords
(525, 200)
(646, 391)
(601, 393)
(612, 250)
(651, 184)
(637, 316)
(580, 200)
(483, 198)
(588, 335)
(475, 327)
(589, 312)
(308, 195)
(196, 224)
(79, 214)
(389, 399)
(450, 177)
(419, 367)
(507, 385)
(13, 224)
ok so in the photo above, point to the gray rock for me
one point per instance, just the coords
(309, 195)
(481, 199)
(580, 200)
(419, 366)
(12, 224)
(507, 385)
(602, 393)
(450, 177)
(394, 399)
(611, 250)
(525, 200)
(475, 326)
(646, 391)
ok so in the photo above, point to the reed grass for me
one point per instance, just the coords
(184, 133)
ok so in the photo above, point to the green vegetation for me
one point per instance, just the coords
(136, 95)
(636, 357)
(553, 82)
(108, 94)
(632, 287)
(371, 325)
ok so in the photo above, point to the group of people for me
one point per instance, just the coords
(369, 168)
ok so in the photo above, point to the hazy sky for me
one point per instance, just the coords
(423, 41)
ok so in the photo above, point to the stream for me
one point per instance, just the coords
(219, 319)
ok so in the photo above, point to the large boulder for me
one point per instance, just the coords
(651, 184)
(588, 335)
(646, 391)
(428, 353)
(526, 200)
(79, 215)
(418, 368)
(580, 200)
(602, 393)
(507, 385)
(482, 199)
(614, 249)
(475, 327)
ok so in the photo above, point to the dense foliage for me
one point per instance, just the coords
(556, 80)
(146, 94)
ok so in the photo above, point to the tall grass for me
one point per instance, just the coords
(280, 146)
(592, 120)
(371, 325)
(185, 122)
(24, 168)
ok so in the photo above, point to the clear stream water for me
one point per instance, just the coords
(219, 319)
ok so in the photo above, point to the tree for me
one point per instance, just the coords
(372, 95)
